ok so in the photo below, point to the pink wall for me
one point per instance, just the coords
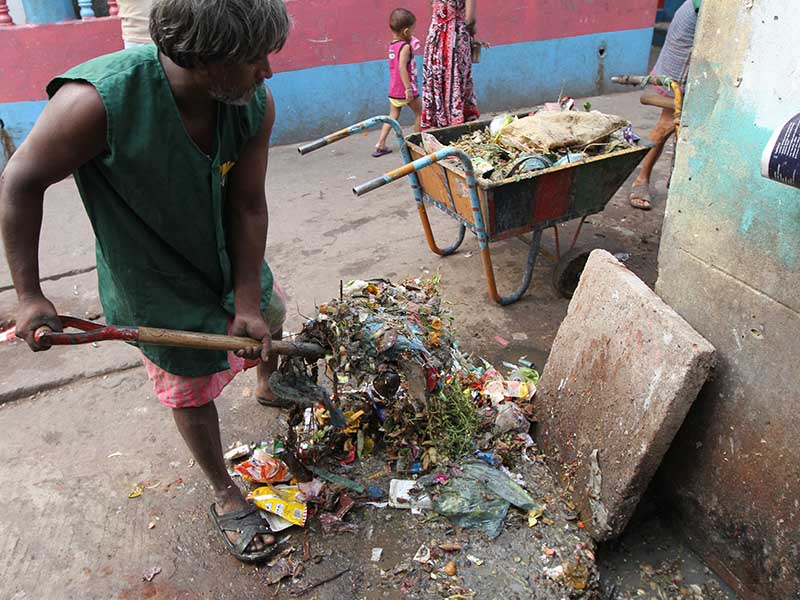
(351, 31)
(31, 55)
(324, 33)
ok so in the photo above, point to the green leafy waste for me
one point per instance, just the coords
(453, 421)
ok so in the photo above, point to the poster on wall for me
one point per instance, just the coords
(781, 159)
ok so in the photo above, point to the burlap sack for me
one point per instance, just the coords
(548, 131)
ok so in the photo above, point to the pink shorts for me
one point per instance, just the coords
(177, 391)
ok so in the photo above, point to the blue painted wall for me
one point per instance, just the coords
(729, 263)
(312, 102)
(670, 7)
(315, 101)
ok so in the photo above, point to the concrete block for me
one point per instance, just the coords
(623, 371)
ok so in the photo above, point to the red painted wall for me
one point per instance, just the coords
(350, 31)
(31, 55)
(324, 33)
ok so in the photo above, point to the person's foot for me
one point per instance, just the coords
(640, 196)
(231, 501)
(378, 152)
(264, 393)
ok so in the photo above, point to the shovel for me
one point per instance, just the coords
(92, 332)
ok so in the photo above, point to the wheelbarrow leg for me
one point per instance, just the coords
(426, 226)
(488, 270)
(477, 215)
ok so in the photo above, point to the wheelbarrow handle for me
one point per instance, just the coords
(415, 166)
(642, 80)
(92, 332)
(352, 130)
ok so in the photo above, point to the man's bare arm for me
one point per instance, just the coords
(248, 223)
(70, 132)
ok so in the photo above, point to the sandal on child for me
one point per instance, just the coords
(378, 152)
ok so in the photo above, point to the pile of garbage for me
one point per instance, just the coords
(395, 376)
(449, 432)
(552, 137)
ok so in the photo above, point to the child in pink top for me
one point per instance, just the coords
(403, 88)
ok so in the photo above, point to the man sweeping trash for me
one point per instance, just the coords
(169, 146)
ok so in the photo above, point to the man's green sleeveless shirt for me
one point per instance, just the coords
(157, 206)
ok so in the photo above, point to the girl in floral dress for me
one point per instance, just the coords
(448, 96)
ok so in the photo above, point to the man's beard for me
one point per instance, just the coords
(222, 92)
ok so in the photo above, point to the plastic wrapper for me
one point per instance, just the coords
(281, 501)
(501, 484)
(263, 468)
(400, 496)
(467, 504)
(510, 418)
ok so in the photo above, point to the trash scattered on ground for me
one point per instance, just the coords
(396, 416)
(451, 569)
(474, 560)
(285, 567)
(666, 581)
(402, 495)
(423, 555)
(623, 256)
(237, 452)
(263, 468)
(151, 573)
(281, 501)
(276, 523)
(8, 335)
(137, 491)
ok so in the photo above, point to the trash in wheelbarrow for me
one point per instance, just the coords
(510, 145)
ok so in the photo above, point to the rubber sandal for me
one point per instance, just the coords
(248, 523)
(378, 152)
(642, 194)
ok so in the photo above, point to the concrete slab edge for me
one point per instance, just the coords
(29, 390)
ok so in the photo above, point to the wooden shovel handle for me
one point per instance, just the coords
(210, 341)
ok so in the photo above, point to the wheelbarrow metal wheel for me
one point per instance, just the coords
(567, 272)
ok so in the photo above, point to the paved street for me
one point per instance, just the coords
(82, 427)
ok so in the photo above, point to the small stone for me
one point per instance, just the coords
(451, 569)
(151, 525)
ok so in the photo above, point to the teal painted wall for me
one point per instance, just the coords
(730, 264)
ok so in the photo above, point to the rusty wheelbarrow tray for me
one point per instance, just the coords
(494, 211)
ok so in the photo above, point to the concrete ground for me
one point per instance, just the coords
(82, 427)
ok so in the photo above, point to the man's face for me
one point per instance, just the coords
(237, 84)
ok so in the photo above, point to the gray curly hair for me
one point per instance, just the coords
(195, 33)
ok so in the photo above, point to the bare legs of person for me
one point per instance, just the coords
(199, 427)
(394, 112)
(640, 190)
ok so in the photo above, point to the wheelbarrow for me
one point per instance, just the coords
(499, 210)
